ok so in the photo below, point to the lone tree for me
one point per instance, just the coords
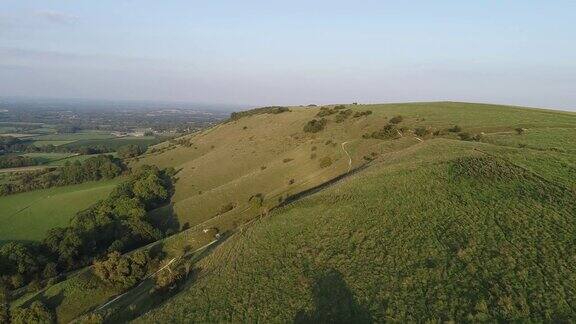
(519, 130)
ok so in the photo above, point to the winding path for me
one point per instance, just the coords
(347, 154)
(153, 274)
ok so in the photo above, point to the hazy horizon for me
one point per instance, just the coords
(259, 53)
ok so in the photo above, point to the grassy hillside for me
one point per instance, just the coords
(271, 155)
(428, 226)
(443, 231)
(438, 229)
(27, 216)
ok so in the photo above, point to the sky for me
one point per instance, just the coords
(520, 52)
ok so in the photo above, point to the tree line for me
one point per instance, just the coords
(92, 169)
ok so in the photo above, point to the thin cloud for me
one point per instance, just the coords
(56, 17)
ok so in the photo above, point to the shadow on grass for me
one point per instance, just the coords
(165, 219)
(333, 302)
(320, 187)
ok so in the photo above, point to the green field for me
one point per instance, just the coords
(27, 216)
(429, 228)
(115, 142)
(49, 158)
(74, 136)
(46, 143)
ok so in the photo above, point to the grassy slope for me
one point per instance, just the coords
(410, 238)
(420, 235)
(223, 165)
(27, 216)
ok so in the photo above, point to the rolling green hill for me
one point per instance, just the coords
(380, 212)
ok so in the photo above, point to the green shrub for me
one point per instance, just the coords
(519, 130)
(362, 113)
(396, 119)
(387, 132)
(325, 162)
(259, 111)
(422, 131)
(470, 137)
(315, 125)
(325, 111)
(455, 129)
(226, 208)
(343, 115)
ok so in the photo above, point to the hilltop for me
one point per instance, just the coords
(404, 212)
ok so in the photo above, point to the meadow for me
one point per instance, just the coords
(27, 216)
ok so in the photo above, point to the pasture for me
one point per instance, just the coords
(27, 216)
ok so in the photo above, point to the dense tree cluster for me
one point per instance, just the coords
(35, 313)
(92, 169)
(123, 272)
(116, 224)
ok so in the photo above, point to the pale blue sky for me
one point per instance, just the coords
(291, 52)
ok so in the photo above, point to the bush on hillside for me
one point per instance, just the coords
(519, 130)
(343, 115)
(421, 131)
(325, 162)
(389, 131)
(315, 125)
(259, 111)
(470, 137)
(455, 129)
(362, 113)
(226, 208)
(396, 119)
(325, 111)
(129, 151)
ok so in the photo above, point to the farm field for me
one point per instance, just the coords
(48, 158)
(27, 216)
